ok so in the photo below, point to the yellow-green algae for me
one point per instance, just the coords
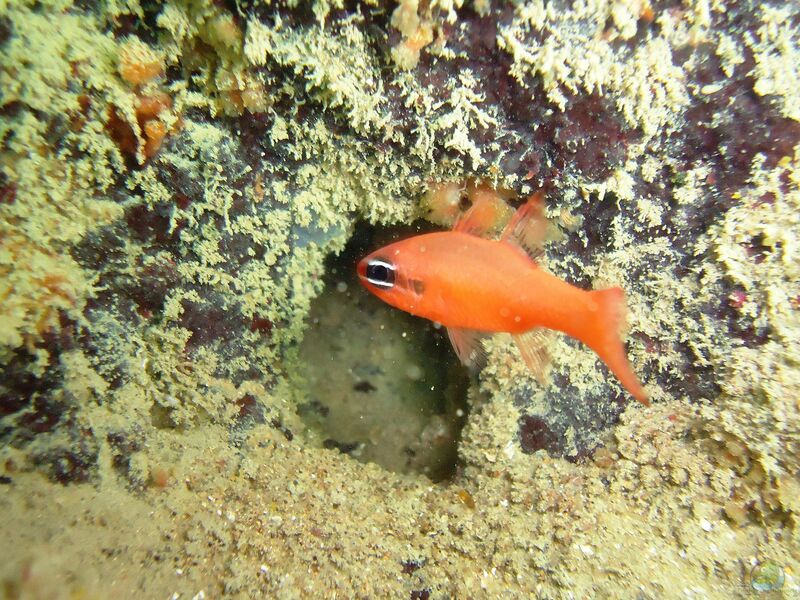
(283, 519)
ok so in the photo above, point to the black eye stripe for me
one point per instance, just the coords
(380, 273)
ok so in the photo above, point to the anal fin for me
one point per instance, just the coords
(533, 346)
(468, 346)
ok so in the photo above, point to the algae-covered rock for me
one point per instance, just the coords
(175, 180)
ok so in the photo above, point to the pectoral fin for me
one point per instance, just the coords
(468, 346)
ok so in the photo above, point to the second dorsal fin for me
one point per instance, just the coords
(528, 226)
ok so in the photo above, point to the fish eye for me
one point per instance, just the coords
(380, 273)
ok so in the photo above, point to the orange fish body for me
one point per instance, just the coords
(469, 283)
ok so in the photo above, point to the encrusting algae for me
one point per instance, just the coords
(173, 178)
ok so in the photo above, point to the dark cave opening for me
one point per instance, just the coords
(379, 384)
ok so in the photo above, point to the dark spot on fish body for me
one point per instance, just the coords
(417, 286)
(423, 594)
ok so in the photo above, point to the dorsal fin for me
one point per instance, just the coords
(468, 346)
(528, 226)
(487, 213)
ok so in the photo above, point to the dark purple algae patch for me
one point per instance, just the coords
(410, 566)
(539, 144)
(34, 404)
(535, 434)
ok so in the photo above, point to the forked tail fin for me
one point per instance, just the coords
(606, 340)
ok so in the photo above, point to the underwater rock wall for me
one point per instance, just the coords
(174, 175)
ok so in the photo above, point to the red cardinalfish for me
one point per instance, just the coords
(475, 286)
